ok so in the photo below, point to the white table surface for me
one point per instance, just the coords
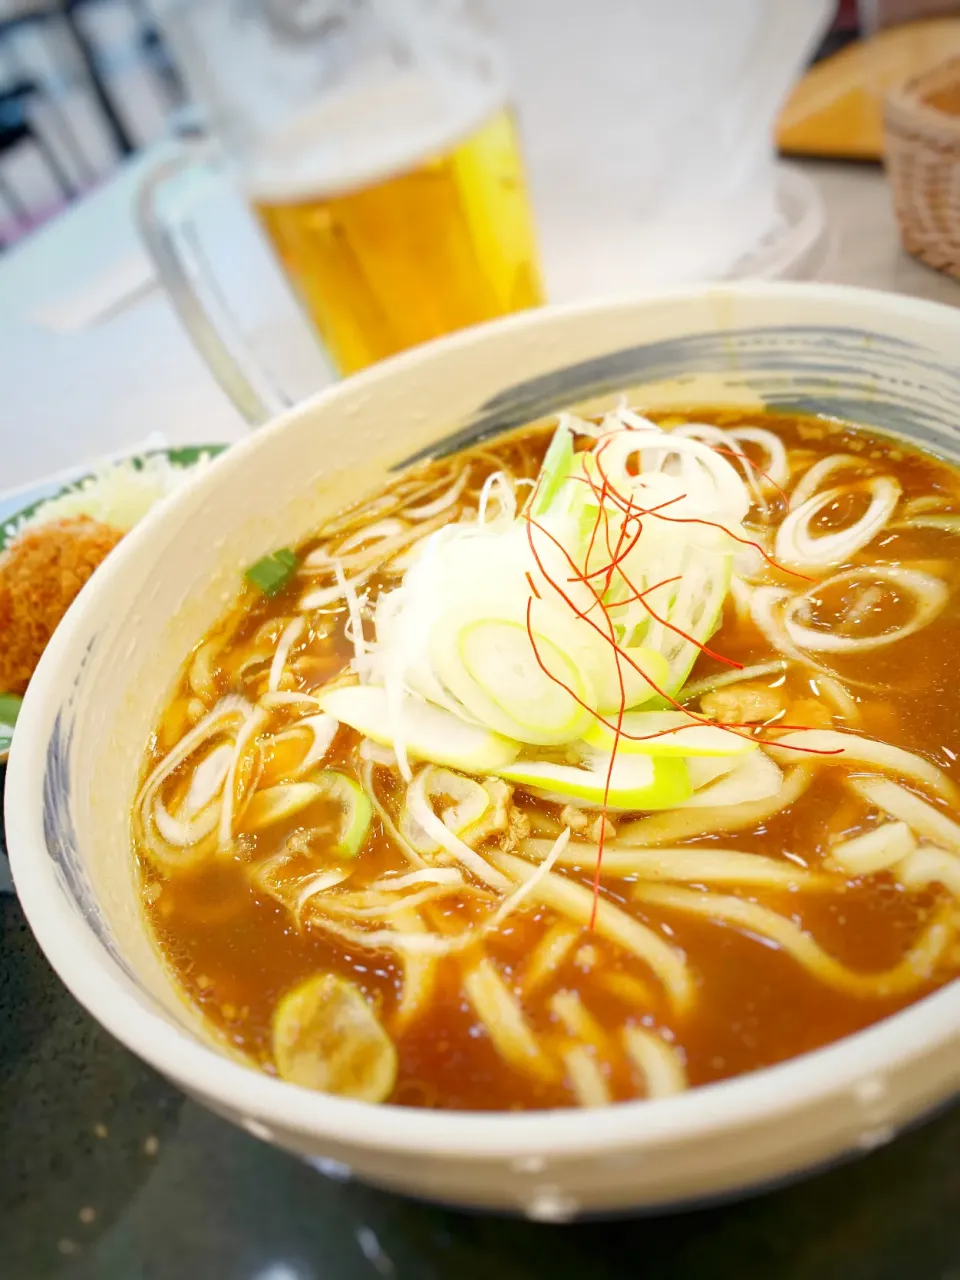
(67, 397)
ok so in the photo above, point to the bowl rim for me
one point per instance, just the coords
(861, 1059)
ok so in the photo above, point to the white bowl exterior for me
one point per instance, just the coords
(73, 772)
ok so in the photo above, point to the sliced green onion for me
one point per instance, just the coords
(493, 669)
(641, 669)
(273, 572)
(636, 782)
(557, 463)
(356, 811)
(756, 777)
(470, 802)
(668, 733)
(327, 1037)
(720, 679)
(286, 800)
(277, 804)
(429, 732)
(522, 629)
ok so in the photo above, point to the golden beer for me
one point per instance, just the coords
(443, 242)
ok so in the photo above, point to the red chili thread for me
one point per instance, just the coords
(611, 640)
(631, 513)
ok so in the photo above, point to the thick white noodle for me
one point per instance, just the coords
(686, 865)
(916, 967)
(548, 955)
(248, 732)
(576, 902)
(875, 850)
(420, 974)
(930, 865)
(776, 472)
(505, 1023)
(659, 1064)
(586, 1077)
(684, 824)
(893, 799)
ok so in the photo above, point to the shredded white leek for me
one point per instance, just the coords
(418, 802)
(427, 510)
(499, 622)
(289, 637)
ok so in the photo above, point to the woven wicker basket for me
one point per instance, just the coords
(922, 125)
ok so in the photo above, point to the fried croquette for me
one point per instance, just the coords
(41, 573)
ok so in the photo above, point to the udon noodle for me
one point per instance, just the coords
(596, 762)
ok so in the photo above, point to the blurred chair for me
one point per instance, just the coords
(18, 128)
(152, 49)
(68, 11)
(157, 57)
(65, 15)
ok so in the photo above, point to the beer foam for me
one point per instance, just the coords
(366, 133)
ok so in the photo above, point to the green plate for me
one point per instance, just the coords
(18, 506)
(9, 710)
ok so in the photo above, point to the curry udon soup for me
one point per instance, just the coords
(592, 764)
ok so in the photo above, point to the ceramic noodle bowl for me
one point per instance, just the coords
(883, 361)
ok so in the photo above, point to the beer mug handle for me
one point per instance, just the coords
(170, 239)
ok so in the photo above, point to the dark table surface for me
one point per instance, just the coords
(109, 1173)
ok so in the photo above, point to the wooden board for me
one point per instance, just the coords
(836, 109)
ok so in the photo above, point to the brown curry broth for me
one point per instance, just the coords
(236, 951)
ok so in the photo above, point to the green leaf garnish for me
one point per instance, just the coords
(273, 572)
(10, 705)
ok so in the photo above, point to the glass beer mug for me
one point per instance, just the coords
(373, 141)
